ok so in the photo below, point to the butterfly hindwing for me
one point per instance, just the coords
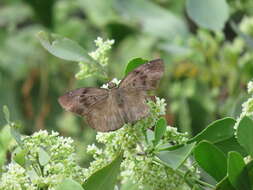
(106, 116)
(122, 106)
(144, 77)
(135, 106)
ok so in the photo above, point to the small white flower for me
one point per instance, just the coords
(61, 164)
(161, 104)
(114, 80)
(247, 106)
(100, 53)
(250, 87)
(247, 159)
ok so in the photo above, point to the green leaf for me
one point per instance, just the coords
(13, 126)
(104, 178)
(237, 172)
(69, 184)
(62, 47)
(99, 12)
(129, 185)
(217, 131)
(155, 20)
(245, 134)
(134, 63)
(159, 130)
(176, 157)
(169, 147)
(224, 184)
(184, 117)
(15, 134)
(19, 156)
(6, 113)
(32, 174)
(5, 137)
(150, 135)
(44, 157)
(210, 14)
(175, 49)
(229, 145)
(22, 12)
(211, 159)
(2, 158)
(250, 171)
(197, 187)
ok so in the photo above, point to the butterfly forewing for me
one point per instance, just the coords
(80, 101)
(144, 77)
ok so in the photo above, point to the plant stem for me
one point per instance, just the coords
(204, 183)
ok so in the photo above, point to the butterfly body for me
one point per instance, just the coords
(109, 109)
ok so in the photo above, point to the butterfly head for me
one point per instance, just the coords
(70, 100)
(112, 85)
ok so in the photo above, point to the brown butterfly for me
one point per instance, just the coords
(109, 109)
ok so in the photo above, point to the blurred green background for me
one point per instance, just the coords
(206, 71)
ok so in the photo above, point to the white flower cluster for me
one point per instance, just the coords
(100, 53)
(15, 178)
(161, 105)
(114, 80)
(250, 87)
(85, 71)
(138, 164)
(148, 174)
(60, 165)
(177, 137)
(247, 107)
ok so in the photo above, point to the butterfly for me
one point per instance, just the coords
(109, 109)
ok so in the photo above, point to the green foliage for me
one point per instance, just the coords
(211, 159)
(160, 129)
(210, 14)
(237, 172)
(208, 64)
(19, 155)
(247, 38)
(231, 170)
(62, 47)
(43, 157)
(128, 185)
(106, 177)
(5, 144)
(245, 134)
(219, 130)
(131, 65)
(6, 114)
(39, 168)
(224, 185)
(175, 158)
(156, 21)
(69, 184)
